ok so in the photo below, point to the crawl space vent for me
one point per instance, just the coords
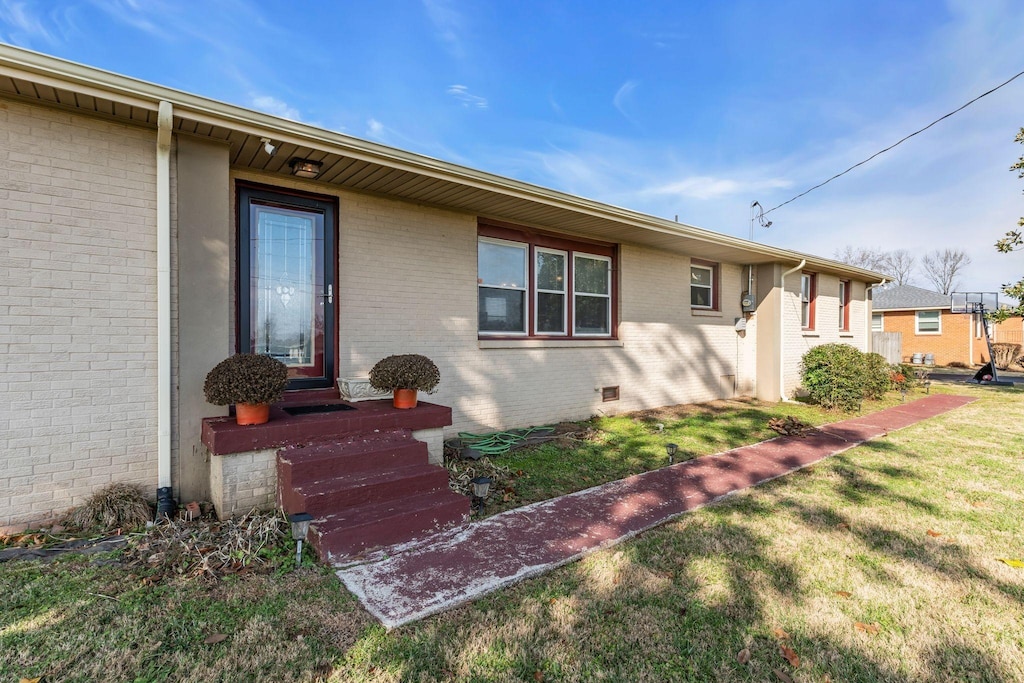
(610, 394)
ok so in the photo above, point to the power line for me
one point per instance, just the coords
(941, 118)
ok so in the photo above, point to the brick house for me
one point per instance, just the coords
(146, 234)
(927, 325)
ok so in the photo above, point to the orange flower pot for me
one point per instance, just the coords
(405, 398)
(248, 414)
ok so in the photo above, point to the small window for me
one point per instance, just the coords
(808, 294)
(550, 305)
(844, 305)
(592, 303)
(502, 280)
(877, 324)
(928, 322)
(700, 287)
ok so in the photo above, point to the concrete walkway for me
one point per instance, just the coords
(459, 565)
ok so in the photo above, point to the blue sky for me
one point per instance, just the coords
(679, 108)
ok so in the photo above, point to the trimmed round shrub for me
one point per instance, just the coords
(833, 375)
(878, 375)
(408, 371)
(246, 378)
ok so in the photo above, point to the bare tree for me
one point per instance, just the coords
(871, 258)
(942, 266)
(899, 264)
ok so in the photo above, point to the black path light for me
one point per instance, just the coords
(671, 449)
(481, 487)
(300, 527)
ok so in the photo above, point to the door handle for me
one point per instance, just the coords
(329, 295)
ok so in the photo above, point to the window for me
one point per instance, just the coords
(540, 285)
(808, 293)
(703, 284)
(844, 305)
(877, 324)
(286, 260)
(502, 276)
(928, 322)
(592, 303)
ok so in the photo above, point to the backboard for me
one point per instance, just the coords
(973, 302)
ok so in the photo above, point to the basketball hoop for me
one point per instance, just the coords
(978, 304)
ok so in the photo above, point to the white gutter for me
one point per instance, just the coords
(163, 295)
(868, 310)
(781, 331)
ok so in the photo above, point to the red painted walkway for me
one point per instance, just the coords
(462, 564)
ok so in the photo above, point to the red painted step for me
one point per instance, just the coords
(365, 491)
(373, 452)
(346, 534)
(334, 493)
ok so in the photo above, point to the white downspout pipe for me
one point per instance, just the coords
(869, 310)
(163, 294)
(781, 330)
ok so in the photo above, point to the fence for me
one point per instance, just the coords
(1008, 336)
(888, 344)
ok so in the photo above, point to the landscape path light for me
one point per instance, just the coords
(481, 487)
(300, 527)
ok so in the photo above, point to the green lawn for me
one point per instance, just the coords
(900, 536)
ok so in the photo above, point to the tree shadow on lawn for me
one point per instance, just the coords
(680, 601)
(676, 604)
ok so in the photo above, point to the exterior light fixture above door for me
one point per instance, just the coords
(304, 168)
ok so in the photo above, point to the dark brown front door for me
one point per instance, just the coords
(286, 282)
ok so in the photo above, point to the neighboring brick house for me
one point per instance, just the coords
(134, 219)
(927, 325)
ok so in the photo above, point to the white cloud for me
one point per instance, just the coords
(274, 106)
(462, 94)
(708, 187)
(622, 96)
(448, 24)
(24, 25)
(374, 129)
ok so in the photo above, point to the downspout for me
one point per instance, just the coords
(869, 310)
(164, 492)
(781, 331)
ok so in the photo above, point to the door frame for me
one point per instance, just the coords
(288, 198)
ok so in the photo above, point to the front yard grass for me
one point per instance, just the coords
(624, 445)
(879, 564)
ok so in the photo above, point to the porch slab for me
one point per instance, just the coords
(222, 435)
(459, 565)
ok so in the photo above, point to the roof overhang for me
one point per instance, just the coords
(366, 166)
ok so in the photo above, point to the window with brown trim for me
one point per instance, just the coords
(844, 305)
(533, 284)
(704, 285)
(808, 295)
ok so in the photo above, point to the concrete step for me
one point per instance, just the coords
(344, 535)
(334, 494)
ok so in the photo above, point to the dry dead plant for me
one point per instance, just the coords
(209, 548)
(117, 506)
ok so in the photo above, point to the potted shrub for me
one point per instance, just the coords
(405, 375)
(251, 382)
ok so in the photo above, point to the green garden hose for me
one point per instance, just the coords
(499, 442)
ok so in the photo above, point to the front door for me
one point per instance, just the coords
(286, 282)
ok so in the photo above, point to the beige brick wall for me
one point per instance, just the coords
(408, 285)
(242, 481)
(77, 309)
(826, 322)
